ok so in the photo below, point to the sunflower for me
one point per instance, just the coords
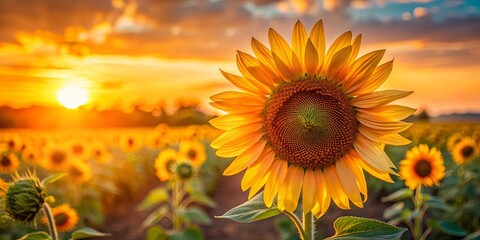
(465, 150)
(453, 141)
(13, 142)
(422, 165)
(130, 142)
(309, 122)
(65, 218)
(8, 162)
(57, 158)
(100, 152)
(80, 172)
(165, 162)
(78, 149)
(193, 151)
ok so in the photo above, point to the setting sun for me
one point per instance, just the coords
(72, 96)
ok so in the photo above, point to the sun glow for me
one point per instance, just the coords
(72, 96)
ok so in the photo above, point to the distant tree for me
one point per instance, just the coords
(423, 116)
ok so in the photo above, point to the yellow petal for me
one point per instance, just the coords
(359, 176)
(323, 196)
(263, 54)
(317, 36)
(390, 112)
(280, 47)
(235, 149)
(246, 158)
(379, 76)
(237, 135)
(372, 170)
(299, 39)
(311, 58)
(341, 42)
(335, 188)
(258, 169)
(254, 68)
(243, 97)
(231, 121)
(339, 63)
(293, 186)
(240, 82)
(258, 185)
(361, 70)
(370, 152)
(387, 127)
(357, 41)
(309, 190)
(348, 182)
(278, 171)
(242, 66)
(391, 139)
(380, 98)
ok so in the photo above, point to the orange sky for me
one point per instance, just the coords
(144, 52)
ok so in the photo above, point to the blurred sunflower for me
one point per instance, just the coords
(130, 142)
(65, 218)
(31, 154)
(165, 162)
(13, 142)
(304, 118)
(453, 140)
(100, 152)
(8, 162)
(80, 172)
(57, 158)
(465, 150)
(78, 149)
(193, 151)
(422, 165)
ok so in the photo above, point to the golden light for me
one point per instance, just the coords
(72, 96)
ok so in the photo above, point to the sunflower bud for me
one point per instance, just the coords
(184, 170)
(24, 199)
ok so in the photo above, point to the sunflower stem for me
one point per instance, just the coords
(308, 226)
(51, 221)
(418, 221)
(297, 223)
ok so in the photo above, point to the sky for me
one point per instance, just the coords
(151, 52)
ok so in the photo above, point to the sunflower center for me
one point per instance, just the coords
(60, 219)
(423, 168)
(5, 161)
(310, 122)
(192, 154)
(58, 157)
(467, 151)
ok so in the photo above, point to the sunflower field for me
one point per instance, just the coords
(309, 145)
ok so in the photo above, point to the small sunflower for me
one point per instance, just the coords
(13, 142)
(306, 121)
(31, 154)
(193, 151)
(164, 163)
(65, 218)
(78, 149)
(422, 165)
(57, 158)
(99, 152)
(130, 142)
(453, 141)
(465, 150)
(184, 170)
(80, 172)
(8, 162)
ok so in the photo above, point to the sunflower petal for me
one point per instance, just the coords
(311, 58)
(379, 76)
(380, 98)
(240, 82)
(339, 63)
(361, 70)
(257, 169)
(255, 69)
(382, 175)
(359, 176)
(335, 188)
(323, 196)
(278, 171)
(263, 54)
(357, 41)
(341, 42)
(299, 39)
(349, 183)
(280, 47)
(292, 187)
(369, 152)
(390, 112)
(308, 190)
(231, 121)
(246, 158)
(258, 185)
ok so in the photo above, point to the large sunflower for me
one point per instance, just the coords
(465, 150)
(422, 166)
(65, 218)
(303, 118)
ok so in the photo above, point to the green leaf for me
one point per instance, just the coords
(154, 197)
(448, 227)
(203, 199)
(188, 234)
(473, 236)
(251, 211)
(155, 217)
(438, 203)
(286, 229)
(86, 232)
(53, 178)
(393, 210)
(364, 228)
(156, 233)
(195, 215)
(399, 195)
(36, 236)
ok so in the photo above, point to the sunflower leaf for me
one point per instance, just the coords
(36, 236)
(398, 195)
(448, 227)
(154, 198)
(251, 211)
(86, 232)
(364, 228)
(53, 178)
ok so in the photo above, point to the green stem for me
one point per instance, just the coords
(297, 223)
(51, 221)
(175, 205)
(418, 221)
(308, 227)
